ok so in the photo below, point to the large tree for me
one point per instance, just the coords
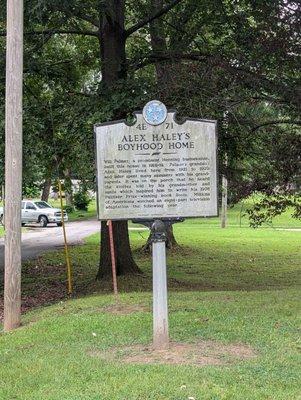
(208, 56)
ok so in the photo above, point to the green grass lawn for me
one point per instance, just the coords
(77, 214)
(236, 216)
(235, 285)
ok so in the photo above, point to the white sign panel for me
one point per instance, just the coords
(156, 171)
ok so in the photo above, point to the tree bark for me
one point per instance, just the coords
(125, 263)
(224, 202)
(68, 187)
(113, 67)
(224, 209)
(47, 179)
(112, 41)
(159, 46)
(46, 189)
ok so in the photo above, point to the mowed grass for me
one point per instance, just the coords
(237, 216)
(51, 357)
(234, 285)
(77, 215)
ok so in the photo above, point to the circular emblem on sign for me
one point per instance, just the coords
(154, 112)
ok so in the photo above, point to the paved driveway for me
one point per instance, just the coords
(37, 240)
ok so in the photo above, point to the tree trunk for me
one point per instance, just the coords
(224, 202)
(2, 192)
(125, 263)
(159, 46)
(112, 42)
(68, 187)
(46, 189)
(47, 183)
(225, 181)
(113, 68)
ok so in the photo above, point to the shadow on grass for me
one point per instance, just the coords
(190, 268)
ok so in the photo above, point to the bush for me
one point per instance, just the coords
(69, 209)
(81, 200)
(30, 192)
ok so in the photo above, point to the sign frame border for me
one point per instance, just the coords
(215, 122)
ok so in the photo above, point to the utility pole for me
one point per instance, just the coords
(13, 164)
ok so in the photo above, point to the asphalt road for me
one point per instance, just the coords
(36, 240)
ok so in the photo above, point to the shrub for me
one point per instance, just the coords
(81, 200)
(69, 209)
(30, 192)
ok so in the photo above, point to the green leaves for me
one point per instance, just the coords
(269, 207)
(217, 56)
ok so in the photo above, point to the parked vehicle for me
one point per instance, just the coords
(40, 212)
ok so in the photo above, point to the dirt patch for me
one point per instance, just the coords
(124, 309)
(43, 285)
(202, 353)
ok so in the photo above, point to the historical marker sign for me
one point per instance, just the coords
(157, 167)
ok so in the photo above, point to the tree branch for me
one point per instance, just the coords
(290, 94)
(84, 94)
(276, 122)
(169, 56)
(87, 18)
(78, 12)
(152, 17)
(58, 32)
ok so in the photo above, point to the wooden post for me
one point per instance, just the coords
(112, 249)
(13, 164)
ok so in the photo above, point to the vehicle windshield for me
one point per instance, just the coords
(42, 204)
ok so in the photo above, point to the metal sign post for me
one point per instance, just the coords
(160, 308)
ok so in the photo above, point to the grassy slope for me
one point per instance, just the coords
(233, 285)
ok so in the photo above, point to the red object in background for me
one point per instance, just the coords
(111, 236)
